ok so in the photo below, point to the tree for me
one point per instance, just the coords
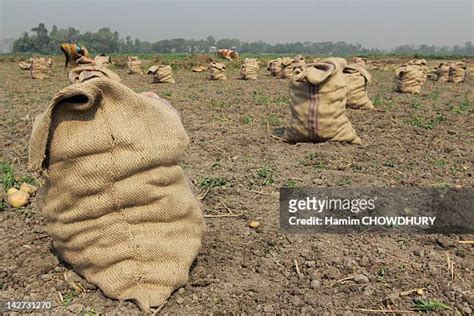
(107, 41)
(41, 40)
(211, 41)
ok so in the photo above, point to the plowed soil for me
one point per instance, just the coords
(409, 140)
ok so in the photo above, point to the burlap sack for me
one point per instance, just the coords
(83, 61)
(217, 71)
(87, 72)
(409, 79)
(359, 61)
(274, 66)
(457, 72)
(103, 60)
(199, 69)
(119, 207)
(134, 65)
(287, 68)
(318, 104)
(25, 65)
(433, 74)
(299, 62)
(357, 79)
(442, 72)
(423, 67)
(419, 62)
(161, 73)
(41, 68)
(249, 69)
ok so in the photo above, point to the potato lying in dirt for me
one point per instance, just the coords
(11, 191)
(18, 198)
(28, 188)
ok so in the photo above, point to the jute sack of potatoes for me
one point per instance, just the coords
(161, 73)
(357, 79)
(299, 62)
(25, 65)
(199, 69)
(442, 72)
(217, 71)
(409, 79)
(287, 68)
(134, 65)
(249, 69)
(318, 104)
(87, 72)
(457, 72)
(274, 66)
(433, 74)
(422, 64)
(103, 60)
(41, 68)
(419, 62)
(359, 61)
(119, 207)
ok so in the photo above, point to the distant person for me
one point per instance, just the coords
(73, 52)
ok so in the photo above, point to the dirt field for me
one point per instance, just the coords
(409, 140)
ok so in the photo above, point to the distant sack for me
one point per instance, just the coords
(217, 71)
(161, 74)
(318, 104)
(357, 79)
(249, 69)
(87, 72)
(409, 79)
(134, 65)
(41, 68)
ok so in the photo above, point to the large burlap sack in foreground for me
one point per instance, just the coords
(274, 66)
(86, 72)
(318, 104)
(458, 72)
(119, 207)
(134, 65)
(217, 71)
(357, 79)
(161, 73)
(249, 69)
(409, 79)
(41, 68)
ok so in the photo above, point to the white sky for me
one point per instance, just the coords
(374, 24)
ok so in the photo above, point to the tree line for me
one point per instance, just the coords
(40, 40)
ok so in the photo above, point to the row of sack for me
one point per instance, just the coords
(411, 76)
(320, 93)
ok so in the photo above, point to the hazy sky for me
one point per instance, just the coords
(380, 24)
